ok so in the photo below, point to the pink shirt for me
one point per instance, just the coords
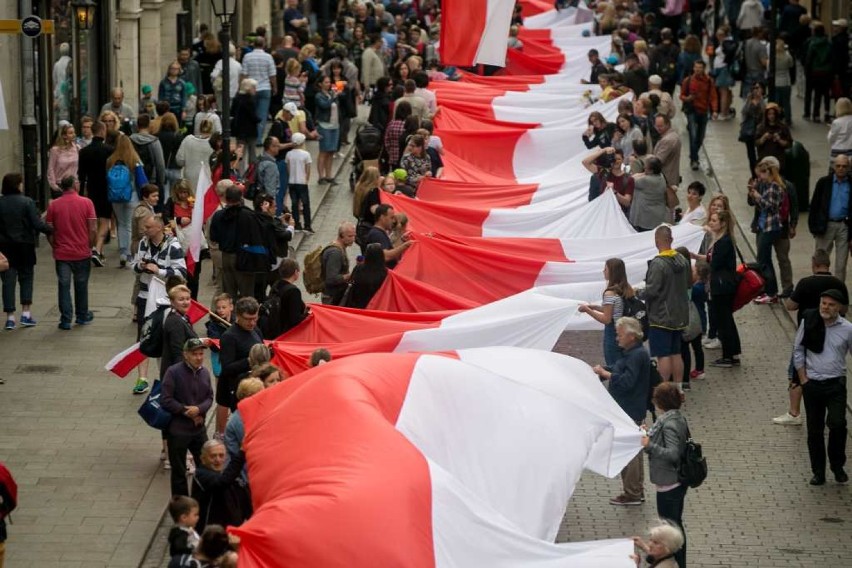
(70, 215)
(61, 163)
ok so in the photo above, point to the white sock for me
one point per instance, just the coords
(10, 317)
(26, 314)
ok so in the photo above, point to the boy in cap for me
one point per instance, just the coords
(299, 172)
(147, 102)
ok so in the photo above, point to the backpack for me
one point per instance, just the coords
(147, 159)
(368, 142)
(9, 492)
(730, 49)
(666, 64)
(692, 470)
(250, 181)
(119, 184)
(312, 275)
(268, 319)
(635, 308)
(784, 209)
(151, 337)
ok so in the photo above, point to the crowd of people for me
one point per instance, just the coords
(132, 175)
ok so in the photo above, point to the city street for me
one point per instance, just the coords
(92, 492)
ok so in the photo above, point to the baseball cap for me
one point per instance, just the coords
(194, 343)
(298, 139)
(146, 89)
(841, 23)
(400, 174)
(655, 80)
(770, 161)
(291, 108)
(835, 294)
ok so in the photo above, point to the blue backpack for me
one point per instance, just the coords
(119, 185)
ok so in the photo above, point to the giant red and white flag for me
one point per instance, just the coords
(534, 319)
(475, 31)
(430, 460)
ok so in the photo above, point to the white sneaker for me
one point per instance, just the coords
(788, 419)
(713, 344)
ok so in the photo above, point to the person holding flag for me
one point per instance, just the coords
(158, 255)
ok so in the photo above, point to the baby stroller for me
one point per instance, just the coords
(368, 148)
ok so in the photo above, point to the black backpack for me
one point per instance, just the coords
(692, 470)
(268, 320)
(151, 338)
(635, 308)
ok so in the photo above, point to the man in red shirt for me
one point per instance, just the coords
(74, 233)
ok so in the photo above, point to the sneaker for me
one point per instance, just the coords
(122, 263)
(696, 375)
(817, 480)
(64, 326)
(97, 258)
(695, 165)
(163, 456)
(87, 320)
(309, 230)
(27, 321)
(713, 344)
(190, 465)
(785, 293)
(722, 363)
(686, 386)
(788, 419)
(10, 325)
(167, 464)
(322, 181)
(625, 501)
(141, 386)
(735, 361)
(766, 299)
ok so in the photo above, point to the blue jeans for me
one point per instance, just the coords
(765, 242)
(262, 100)
(24, 276)
(612, 352)
(80, 270)
(697, 126)
(299, 193)
(283, 177)
(124, 225)
(670, 507)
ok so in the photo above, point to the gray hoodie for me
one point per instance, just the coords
(667, 284)
(151, 153)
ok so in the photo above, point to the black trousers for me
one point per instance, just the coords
(823, 398)
(670, 507)
(698, 348)
(178, 445)
(722, 308)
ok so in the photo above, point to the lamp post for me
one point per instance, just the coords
(224, 10)
(84, 19)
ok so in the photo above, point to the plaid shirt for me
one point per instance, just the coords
(392, 135)
(769, 206)
(259, 66)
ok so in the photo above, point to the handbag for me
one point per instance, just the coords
(152, 412)
(692, 470)
(750, 283)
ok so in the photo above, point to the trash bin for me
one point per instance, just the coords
(797, 168)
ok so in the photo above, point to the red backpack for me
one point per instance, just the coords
(784, 209)
(9, 492)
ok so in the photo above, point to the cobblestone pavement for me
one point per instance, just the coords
(93, 494)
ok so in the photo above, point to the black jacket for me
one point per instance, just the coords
(293, 310)
(223, 227)
(723, 268)
(223, 498)
(176, 330)
(244, 117)
(170, 141)
(92, 170)
(820, 203)
(20, 221)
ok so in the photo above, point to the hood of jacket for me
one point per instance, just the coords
(143, 138)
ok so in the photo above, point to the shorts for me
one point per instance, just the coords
(226, 392)
(664, 342)
(792, 374)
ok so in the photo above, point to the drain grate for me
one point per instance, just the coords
(39, 369)
(793, 551)
(834, 520)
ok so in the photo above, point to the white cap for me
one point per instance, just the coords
(291, 108)
(655, 80)
(841, 23)
(298, 138)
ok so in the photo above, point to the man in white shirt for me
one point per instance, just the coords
(421, 79)
(260, 66)
(236, 71)
(299, 170)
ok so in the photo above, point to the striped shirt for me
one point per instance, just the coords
(259, 66)
(168, 256)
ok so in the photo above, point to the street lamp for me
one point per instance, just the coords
(84, 19)
(224, 10)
